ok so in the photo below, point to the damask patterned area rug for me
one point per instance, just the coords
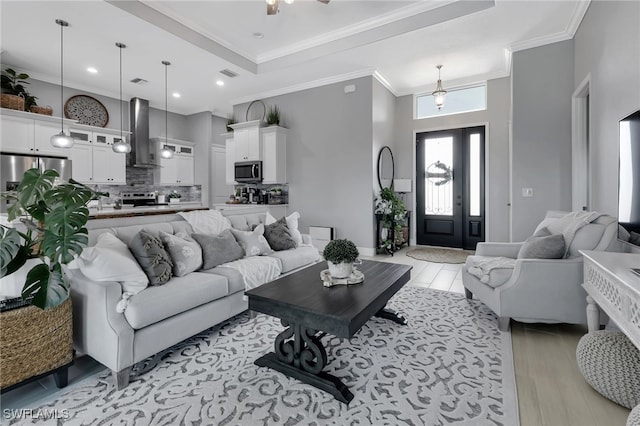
(449, 365)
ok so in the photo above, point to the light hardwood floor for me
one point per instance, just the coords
(551, 390)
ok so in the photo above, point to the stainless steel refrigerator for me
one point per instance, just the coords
(13, 166)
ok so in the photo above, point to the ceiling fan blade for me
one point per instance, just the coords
(272, 9)
(324, 1)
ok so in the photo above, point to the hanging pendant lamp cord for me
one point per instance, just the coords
(61, 80)
(121, 138)
(166, 103)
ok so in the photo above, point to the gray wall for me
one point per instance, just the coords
(329, 153)
(496, 116)
(383, 126)
(612, 58)
(542, 86)
(199, 130)
(218, 127)
(49, 95)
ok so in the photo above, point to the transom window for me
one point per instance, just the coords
(456, 101)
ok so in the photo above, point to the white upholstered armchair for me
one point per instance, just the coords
(535, 289)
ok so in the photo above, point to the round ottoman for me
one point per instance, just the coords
(634, 417)
(610, 363)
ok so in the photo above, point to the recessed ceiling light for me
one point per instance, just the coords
(220, 83)
(258, 35)
(176, 94)
(92, 70)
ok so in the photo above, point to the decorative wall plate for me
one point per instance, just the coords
(86, 110)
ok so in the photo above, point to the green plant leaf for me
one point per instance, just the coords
(49, 287)
(66, 220)
(9, 248)
(62, 248)
(68, 195)
(34, 185)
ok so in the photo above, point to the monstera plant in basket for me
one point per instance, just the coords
(51, 228)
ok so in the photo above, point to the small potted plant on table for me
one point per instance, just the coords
(340, 255)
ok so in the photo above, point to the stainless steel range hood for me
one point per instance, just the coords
(142, 153)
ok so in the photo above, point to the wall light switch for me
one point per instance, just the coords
(350, 88)
(527, 192)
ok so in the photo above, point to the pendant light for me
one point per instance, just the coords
(121, 146)
(61, 140)
(165, 152)
(439, 93)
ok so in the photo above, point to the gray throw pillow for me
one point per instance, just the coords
(152, 257)
(253, 242)
(218, 249)
(279, 236)
(185, 252)
(543, 245)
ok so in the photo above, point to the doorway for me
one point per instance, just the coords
(450, 201)
(581, 162)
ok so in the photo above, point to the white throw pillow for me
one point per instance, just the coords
(292, 224)
(111, 260)
(210, 222)
(269, 219)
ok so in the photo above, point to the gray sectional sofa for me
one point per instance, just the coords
(160, 316)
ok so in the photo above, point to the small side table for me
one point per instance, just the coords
(35, 343)
(392, 234)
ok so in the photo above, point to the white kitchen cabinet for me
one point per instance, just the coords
(246, 138)
(93, 158)
(179, 170)
(29, 133)
(81, 156)
(274, 154)
(229, 159)
(17, 134)
(42, 133)
(108, 167)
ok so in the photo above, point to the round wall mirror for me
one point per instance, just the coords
(385, 168)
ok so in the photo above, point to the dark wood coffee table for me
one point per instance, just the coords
(309, 311)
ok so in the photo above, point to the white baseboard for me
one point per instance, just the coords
(366, 251)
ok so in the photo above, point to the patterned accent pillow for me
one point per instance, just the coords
(218, 249)
(292, 224)
(278, 235)
(185, 252)
(253, 242)
(152, 257)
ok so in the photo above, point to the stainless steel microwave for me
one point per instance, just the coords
(248, 171)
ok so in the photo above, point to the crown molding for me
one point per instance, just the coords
(579, 11)
(160, 8)
(173, 26)
(304, 86)
(455, 84)
(351, 30)
(540, 41)
(382, 80)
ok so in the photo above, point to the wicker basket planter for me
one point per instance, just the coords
(34, 342)
(12, 102)
(42, 110)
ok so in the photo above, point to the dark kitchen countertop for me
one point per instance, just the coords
(129, 211)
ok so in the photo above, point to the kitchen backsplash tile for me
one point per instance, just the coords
(141, 180)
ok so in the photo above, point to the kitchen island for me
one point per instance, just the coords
(130, 211)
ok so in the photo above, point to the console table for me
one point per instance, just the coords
(614, 289)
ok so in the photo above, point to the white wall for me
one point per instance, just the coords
(496, 116)
(329, 151)
(542, 86)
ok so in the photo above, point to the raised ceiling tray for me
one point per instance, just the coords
(86, 110)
